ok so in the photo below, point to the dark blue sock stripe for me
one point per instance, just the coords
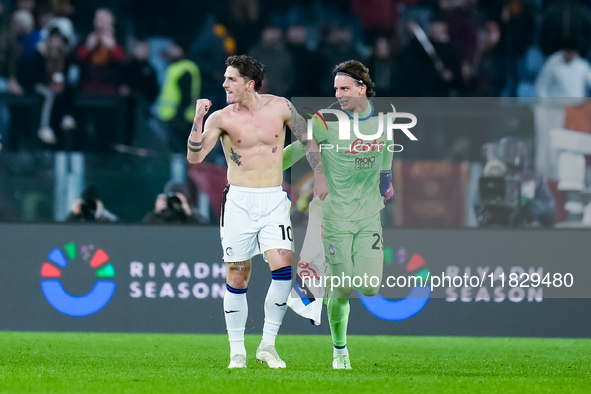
(282, 270)
(281, 274)
(235, 291)
(340, 347)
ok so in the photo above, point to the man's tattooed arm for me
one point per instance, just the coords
(202, 138)
(299, 128)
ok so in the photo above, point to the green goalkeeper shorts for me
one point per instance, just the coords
(354, 249)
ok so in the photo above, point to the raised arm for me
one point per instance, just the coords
(297, 124)
(202, 139)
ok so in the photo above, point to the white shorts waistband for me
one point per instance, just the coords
(255, 190)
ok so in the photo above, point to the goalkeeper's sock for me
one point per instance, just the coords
(338, 317)
(276, 303)
(236, 313)
(340, 351)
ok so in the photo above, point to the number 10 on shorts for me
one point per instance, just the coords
(285, 232)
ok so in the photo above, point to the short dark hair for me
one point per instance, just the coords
(249, 68)
(356, 70)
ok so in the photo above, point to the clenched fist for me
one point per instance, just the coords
(201, 108)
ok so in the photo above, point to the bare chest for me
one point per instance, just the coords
(251, 131)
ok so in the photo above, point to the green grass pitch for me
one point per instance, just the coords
(183, 363)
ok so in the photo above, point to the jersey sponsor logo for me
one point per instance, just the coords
(358, 146)
(364, 163)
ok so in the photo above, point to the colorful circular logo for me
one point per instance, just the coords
(415, 300)
(77, 305)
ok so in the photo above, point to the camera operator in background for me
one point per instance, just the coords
(509, 192)
(89, 208)
(171, 207)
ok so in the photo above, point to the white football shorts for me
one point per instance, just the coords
(253, 221)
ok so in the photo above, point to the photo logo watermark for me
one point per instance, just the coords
(385, 122)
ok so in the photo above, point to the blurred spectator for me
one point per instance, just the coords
(8, 51)
(309, 67)
(89, 208)
(7, 48)
(210, 48)
(171, 207)
(62, 8)
(101, 103)
(565, 74)
(27, 5)
(42, 15)
(167, 19)
(563, 21)
(430, 75)
(336, 46)
(181, 88)
(66, 27)
(100, 57)
(22, 25)
(490, 77)
(272, 52)
(142, 80)
(16, 120)
(85, 12)
(517, 35)
(245, 23)
(378, 17)
(462, 22)
(382, 67)
(141, 75)
(50, 69)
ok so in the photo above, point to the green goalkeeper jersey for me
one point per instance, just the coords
(352, 167)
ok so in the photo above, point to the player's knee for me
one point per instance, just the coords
(237, 283)
(237, 280)
(341, 292)
(369, 291)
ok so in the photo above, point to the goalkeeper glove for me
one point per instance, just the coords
(386, 188)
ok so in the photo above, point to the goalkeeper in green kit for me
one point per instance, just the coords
(359, 179)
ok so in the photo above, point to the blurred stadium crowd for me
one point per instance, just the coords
(123, 75)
